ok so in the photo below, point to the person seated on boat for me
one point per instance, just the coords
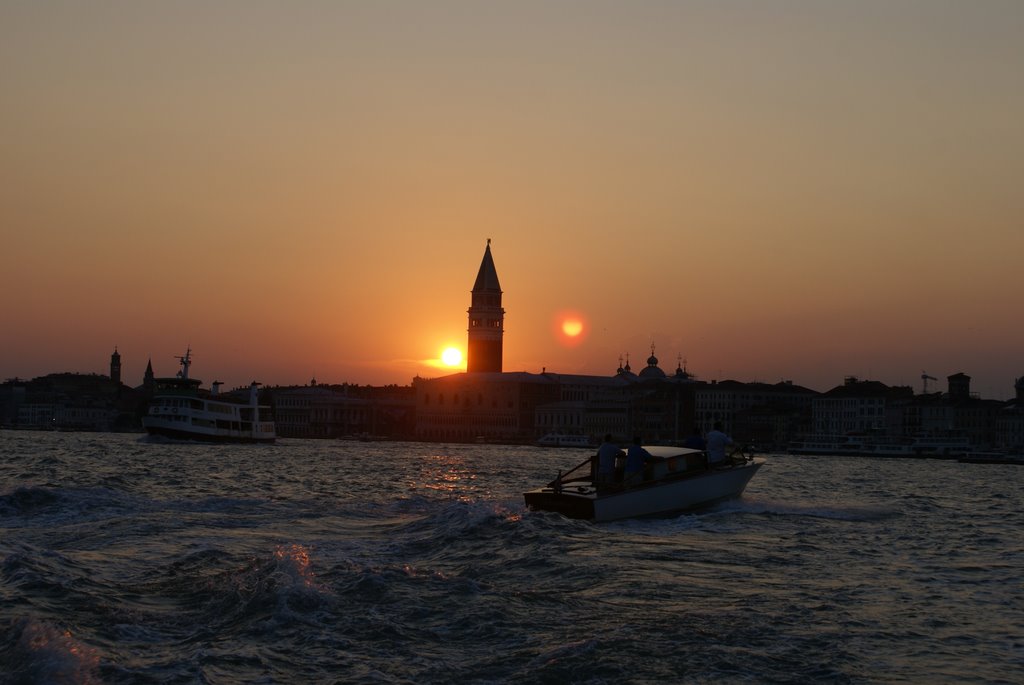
(717, 442)
(695, 441)
(636, 458)
(607, 453)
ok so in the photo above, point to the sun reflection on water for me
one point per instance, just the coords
(298, 558)
(66, 659)
(448, 474)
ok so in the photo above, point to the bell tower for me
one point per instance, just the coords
(115, 367)
(486, 319)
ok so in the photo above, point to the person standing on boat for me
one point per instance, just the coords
(606, 456)
(636, 458)
(717, 442)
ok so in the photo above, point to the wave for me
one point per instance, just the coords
(27, 500)
(272, 589)
(838, 512)
(34, 651)
(463, 524)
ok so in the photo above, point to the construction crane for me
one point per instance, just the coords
(924, 382)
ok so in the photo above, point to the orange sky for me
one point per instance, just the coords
(798, 190)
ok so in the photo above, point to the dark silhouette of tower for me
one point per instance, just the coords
(959, 387)
(115, 367)
(486, 319)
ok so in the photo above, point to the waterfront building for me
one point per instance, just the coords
(587, 405)
(1010, 422)
(971, 415)
(68, 401)
(957, 413)
(956, 419)
(342, 411)
(767, 415)
(859, 406)
(492, 407)
(314, 412)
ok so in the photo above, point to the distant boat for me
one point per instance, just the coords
(992, 458)
(565, 440)
(829, 445)
(179, 411)
(678, 481)
(877, 445)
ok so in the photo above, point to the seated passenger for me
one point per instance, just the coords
(695, 441)
(636, 458)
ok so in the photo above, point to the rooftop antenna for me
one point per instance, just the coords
(924, 382)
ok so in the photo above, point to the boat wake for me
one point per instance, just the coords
(837, 512)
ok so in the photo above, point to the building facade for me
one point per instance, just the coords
(481, 407)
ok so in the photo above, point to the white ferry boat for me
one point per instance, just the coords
(882, 446)
(180, 411)
(565, 440)
(829, 445)
(942, 446)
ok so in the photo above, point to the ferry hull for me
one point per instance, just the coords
(154, 428)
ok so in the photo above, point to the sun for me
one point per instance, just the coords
(570, 327)
(452, 356)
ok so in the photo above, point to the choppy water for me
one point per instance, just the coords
(126, 561)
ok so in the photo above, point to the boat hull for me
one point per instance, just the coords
(995, 458)
(156, 427)
(657, 498)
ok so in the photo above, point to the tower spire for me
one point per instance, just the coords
(115, 367)
(486, 319)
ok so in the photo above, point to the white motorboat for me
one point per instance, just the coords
(678, 480)
(181, 412)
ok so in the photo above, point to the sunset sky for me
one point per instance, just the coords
(769, 189)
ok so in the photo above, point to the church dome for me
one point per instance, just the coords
(652, 370)
(682, 373)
